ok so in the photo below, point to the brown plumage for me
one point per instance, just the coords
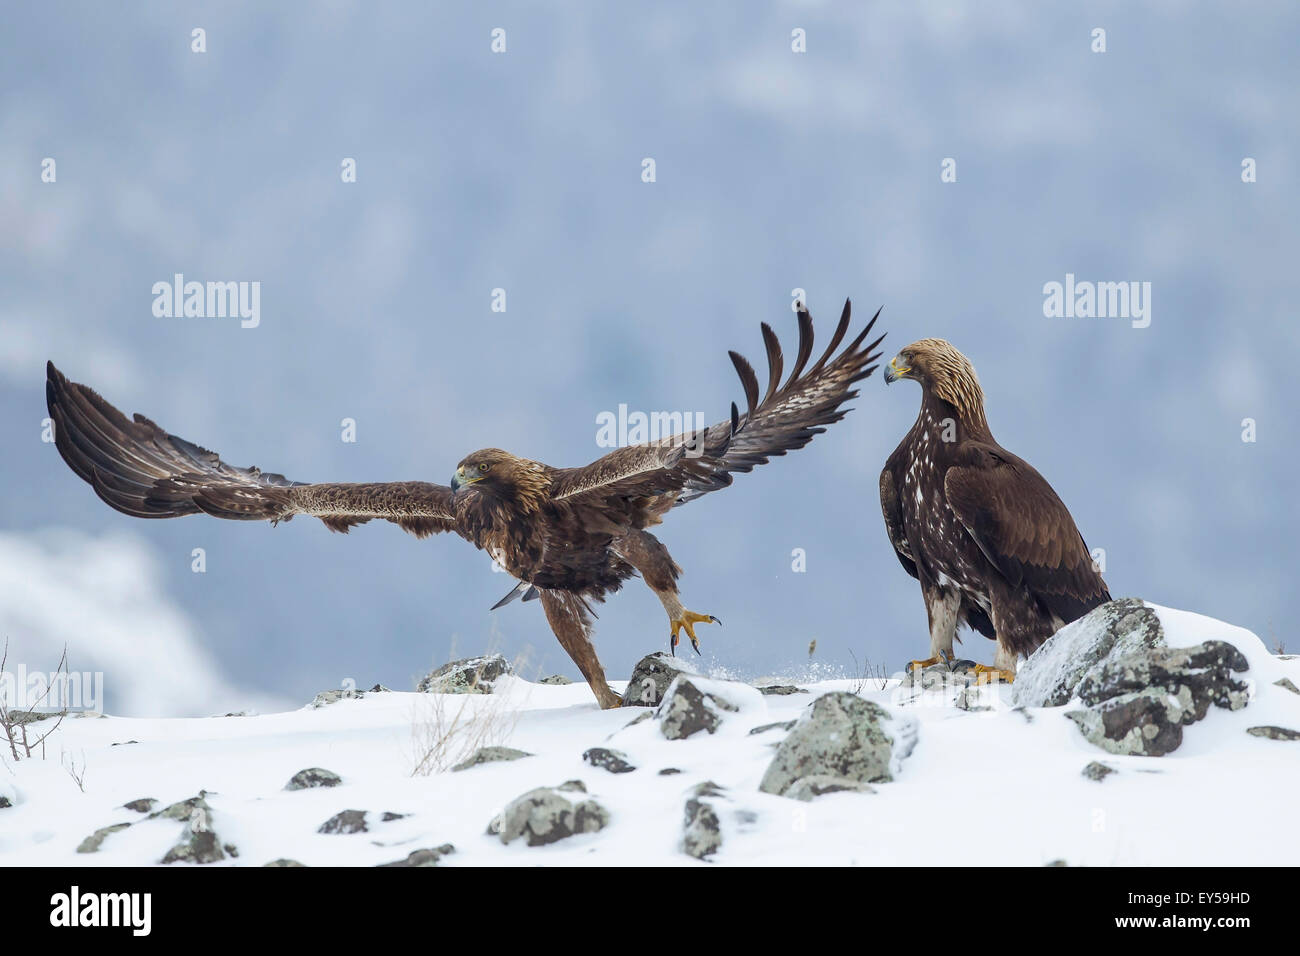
(984, 533)
(569, 535)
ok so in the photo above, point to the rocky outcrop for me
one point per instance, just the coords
(313, 777)
(548, 814)
(346, 821)
(1274, 733)
(702, 829)
(1097, 771)
(425, 857)
(1050, 675)
(475, 675)
(1138, 693)
(615, 761)
(843, 737)
(651, 678)
(490, 755)
(695, 704)
(815, 785)
(333, 696)
(199, 842)
(558, 680)
(779, 725)
(142, 805)
(93, 842)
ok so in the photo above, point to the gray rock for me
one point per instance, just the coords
(142, 805)
(4, 802)
(651, 678)
(389, 816)
(426, 857)
(545, 815)
(558, 680)
(839, 735)
(781, 690)
(490, 755)
(346, 821)
(1274, 733)
(199, 842)
(334, 695)
(669, 771)
(313, 777)
(183, 810)
(1140, 693)
(779, 725)
(1286, 684)
(1140, 700)
(284, 861)
(615, 761)
(1206, 670)
(702, 829)
(1097, 771)
(971, 699)
(1144, 723)
(201, 847)
(93, 842)
(572, 786)
(954, 676)
(686, 710)
(1050, 675)
(814, 785)
(475, 675)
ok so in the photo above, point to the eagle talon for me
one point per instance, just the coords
(992, 675)
(688, 620)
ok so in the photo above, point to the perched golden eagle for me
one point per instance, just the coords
(984, 533)
(569, 535)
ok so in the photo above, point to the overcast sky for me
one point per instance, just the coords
(522, 171)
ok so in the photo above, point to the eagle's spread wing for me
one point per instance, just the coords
(1024, 529)
(784, 418)
(139, 469)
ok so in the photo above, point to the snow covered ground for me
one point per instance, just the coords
(999, 786)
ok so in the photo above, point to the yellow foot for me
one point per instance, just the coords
(609, 699)
(991, 675)
(688, 620)
(922, 665)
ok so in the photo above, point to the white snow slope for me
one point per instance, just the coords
(994, 787)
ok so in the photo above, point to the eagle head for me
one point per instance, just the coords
(503, 475)
(942, 371)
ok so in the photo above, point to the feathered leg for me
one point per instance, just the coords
(571, 622)
(648, 555)
(941, 607)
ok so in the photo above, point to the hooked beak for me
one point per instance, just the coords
(463, 478)
(894, 371)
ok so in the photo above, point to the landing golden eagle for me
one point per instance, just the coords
(984, 533)
(569, 535)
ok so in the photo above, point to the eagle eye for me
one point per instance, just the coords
(483, 466)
